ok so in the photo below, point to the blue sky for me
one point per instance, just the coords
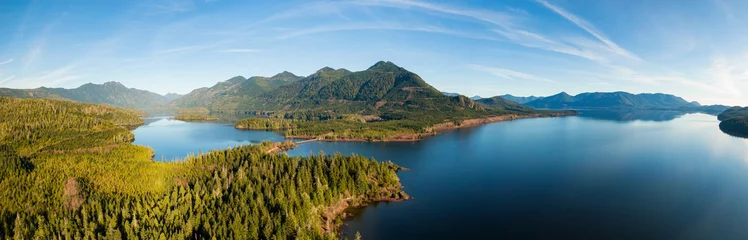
(694, 49)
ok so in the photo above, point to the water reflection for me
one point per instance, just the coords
(630, 176)
(174, 139)
(631, 115)
(733, 133)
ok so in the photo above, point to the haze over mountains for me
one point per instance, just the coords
(621, 100)
(521, 100)
(381, 88)
(112, 93)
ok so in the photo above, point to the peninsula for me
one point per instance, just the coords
(734, 121)
(70, 170)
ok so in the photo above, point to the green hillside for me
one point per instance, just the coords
(733, 112)
(734, 121)
(501, 103)
(230, 93)
(521, 100)
(384, 87)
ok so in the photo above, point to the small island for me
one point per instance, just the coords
(734, 121)
(197, 114)
(195, 117)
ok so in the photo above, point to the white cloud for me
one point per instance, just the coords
(190, 48)
(381, 26)
(509, 74)
(581, 23)
(31, 56)
(493, 17)
(168, 6)
(179, 49)
(7, 79)
(239, 50)
(6, 61)
(49, 78)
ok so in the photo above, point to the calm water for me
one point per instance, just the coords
(174, 139)
(599, 175)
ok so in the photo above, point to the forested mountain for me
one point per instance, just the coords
(235, 90)
(521, 100)
(112, 93)
(383, 87)
(733, 112)
(622, 100)
(499, 102)
(68, 171)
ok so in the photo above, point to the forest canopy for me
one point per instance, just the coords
(70, 170)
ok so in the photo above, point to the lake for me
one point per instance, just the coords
(656, 175)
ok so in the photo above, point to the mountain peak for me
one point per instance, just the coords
(113, 84)
(385, 66)
(285, 75)
(236, 79)
(325, 69)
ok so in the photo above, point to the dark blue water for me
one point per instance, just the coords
(586, 177)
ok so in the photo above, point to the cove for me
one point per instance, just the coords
(594, 176)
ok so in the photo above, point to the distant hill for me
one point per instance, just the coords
(381, 88)
(172, 96)
(501, 103)
(621, 100)
(112, 93)
(449, 94)
(521, 100)
(234, 90)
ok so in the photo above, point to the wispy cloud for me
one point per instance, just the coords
(31, 56)
(509, 74)
(536, 40)
(179, 49)
(725, 8)
(382, 26)
(49, 78)
(493, 17)
(6, 61)
(583, 24)
(168, 7)
(239, 50)
(7, 79)
(189, 48)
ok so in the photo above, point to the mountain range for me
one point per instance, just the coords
(621, 100)
(112, 93)
(501, 103)
(384, 87)
(521, 100)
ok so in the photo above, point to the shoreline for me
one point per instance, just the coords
(415, 137)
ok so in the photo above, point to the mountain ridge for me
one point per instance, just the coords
(383, 86)
(112, 93)
(621, 100)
